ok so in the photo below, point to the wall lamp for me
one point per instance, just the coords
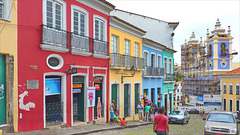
(132, 73)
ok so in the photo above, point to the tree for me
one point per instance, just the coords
(178, 77)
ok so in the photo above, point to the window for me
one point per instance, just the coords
(79, 23)
(165, 65)
(1, 8)
(137, 50)
(114, 47)
(54, 14)
(170, 65)
(145, 59)
(230, 88)
(224, 104)
(177, 90)
(230, 105)
(127, 47)
(237, 89)
(210, 50)
(237, 105)
(159, 61)
(224, 50)
(224, 88)
(99, 29)
(177, 98)
(5, 9)
(153, 60)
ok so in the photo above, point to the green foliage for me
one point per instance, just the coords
(178, 77)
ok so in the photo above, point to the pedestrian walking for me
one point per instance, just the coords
(147, 109)
(152, 113)
(140, 111)
(160, 126)
(112, 108)
(155, 110)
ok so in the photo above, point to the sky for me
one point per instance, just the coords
(192, 15)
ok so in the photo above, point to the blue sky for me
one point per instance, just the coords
(194, 16)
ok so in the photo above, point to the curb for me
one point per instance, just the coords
(106, 129)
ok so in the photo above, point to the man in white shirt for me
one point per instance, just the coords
(140, 111)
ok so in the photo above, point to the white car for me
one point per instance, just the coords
(220, 123)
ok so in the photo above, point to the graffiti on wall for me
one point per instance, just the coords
(25, 106)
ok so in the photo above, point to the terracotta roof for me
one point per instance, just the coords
(178, 82)
(235, 65)
(233, 72)
(108, 3)
(148, 17)
(129, 24)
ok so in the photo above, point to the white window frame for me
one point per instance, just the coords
(6, 10)
(230, 106)
(83, 11)
(170, 67)
(97, 17)
(147, 57)
(125, 47)
(64, 23)
(137, 49)
(159, 60)
(224, 92)
(165, 68)
(154, 62)
(114, 47)
(230, 84)
(237, 84)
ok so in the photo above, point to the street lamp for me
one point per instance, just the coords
(132, 73)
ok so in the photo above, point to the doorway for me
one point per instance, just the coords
(99, 102)
(53, 100)
(166, 103)
(137, 96)
(152, 96)
(2, 90)
(126, 100)
(78, 98)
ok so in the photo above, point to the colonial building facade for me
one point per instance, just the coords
(62, 37)
(125, 67)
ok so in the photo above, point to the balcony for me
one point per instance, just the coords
(168, 77)
(100, 49)
(125, 61)
(54, 39)
(153, 72)
(80, 45)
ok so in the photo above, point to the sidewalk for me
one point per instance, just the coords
(82, 129)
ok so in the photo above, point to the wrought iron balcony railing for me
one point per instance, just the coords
(101, 47)
(54, 37)
(120, 60)
(79, 42)
(169, 77)
(153, 71)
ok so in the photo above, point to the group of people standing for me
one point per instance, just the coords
(148, 111)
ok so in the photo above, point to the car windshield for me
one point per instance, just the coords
(176, 113)
(220, 117)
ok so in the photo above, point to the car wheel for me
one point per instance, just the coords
(183, 122)
(187, 121)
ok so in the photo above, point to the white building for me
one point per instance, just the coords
(178, 93)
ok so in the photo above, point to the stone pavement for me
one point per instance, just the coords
(82, 129)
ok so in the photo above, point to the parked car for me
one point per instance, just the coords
(179, 116)
(219, 123)
(193, 111)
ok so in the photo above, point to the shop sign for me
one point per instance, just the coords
(72, 71)
(98, 79)
(77, 90)
(76, 86)
(90, 96)
(97, 86)
(52, 86)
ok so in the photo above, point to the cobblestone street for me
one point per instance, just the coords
(194, 127)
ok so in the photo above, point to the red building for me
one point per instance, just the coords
(55, 36)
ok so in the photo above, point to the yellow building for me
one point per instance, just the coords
(230, 86)
(8, 65)
(125, 59)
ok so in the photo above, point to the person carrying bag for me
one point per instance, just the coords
(160, 126)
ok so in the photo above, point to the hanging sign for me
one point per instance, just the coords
(97, 86)
(72, 71)
(98, 79)
(90, 96)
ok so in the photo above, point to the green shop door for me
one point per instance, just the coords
(126, 101)
(78, 98)
(114, 95)
(2, 90)
(136, 97)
